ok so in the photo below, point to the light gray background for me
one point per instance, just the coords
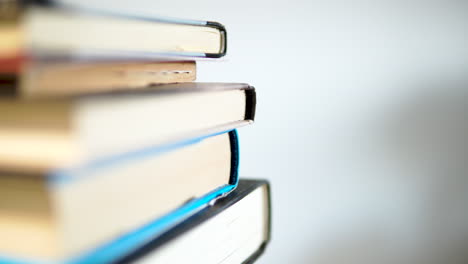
(361, 125)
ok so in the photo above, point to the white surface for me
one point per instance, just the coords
(352, 181)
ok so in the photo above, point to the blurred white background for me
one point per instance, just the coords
(361, 124)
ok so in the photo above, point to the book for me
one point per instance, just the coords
(101, 212)
(236, 229)
(46, 79)
(88, 128)
(55, 28)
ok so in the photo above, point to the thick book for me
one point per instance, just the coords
(58, 29)
(50, 133)
(42, 79)
(102, 212)
(236, 229)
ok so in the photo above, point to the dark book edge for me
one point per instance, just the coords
(234, 141)
(251, 103)
(222, 30)
(254, 257)
(244, 188)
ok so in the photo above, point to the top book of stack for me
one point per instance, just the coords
(51, 28)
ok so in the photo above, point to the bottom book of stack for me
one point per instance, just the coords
(236, 229)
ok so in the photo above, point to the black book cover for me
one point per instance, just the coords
(244, 188)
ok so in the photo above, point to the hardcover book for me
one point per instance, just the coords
(236, 229)
(54, 28)
(80, 129)
(103, 211)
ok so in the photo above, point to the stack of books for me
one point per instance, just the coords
(110, 152)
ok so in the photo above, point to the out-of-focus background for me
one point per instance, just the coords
(362, 124)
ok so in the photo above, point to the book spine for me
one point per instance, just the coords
(223, 44)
